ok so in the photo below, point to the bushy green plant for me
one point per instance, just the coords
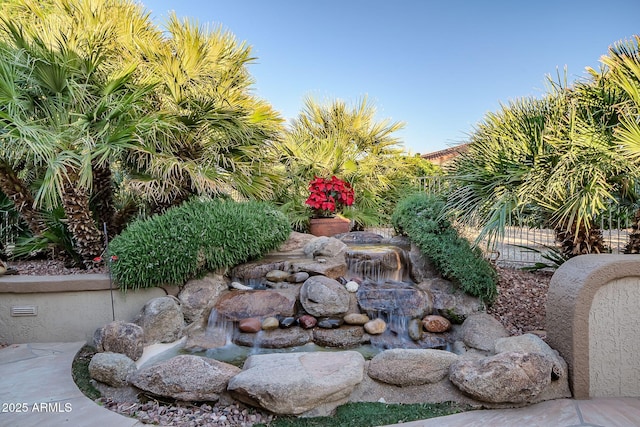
(197, 236)
(421, 217)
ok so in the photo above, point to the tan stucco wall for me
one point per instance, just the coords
(69, 308)
(614, 340)
(572, 291)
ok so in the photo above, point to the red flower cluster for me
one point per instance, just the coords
(329, 195)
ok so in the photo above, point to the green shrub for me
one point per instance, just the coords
(197, 236)
(421, 217)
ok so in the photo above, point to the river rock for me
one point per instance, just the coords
(270, 323)
(405, 367)
(199, 295)
(186, 377)
(505, 377)
(324, 297)
(111, 368)
(240, 305)
(375, 326)
(250, 325)
(298, 383)
(352, 286)
(437, 324)
(343, 337)
(330, 323)
(255, 269)
(120, 337)
(162, 320)
(481, 331)
(356, 319)
(307, 321)
(277, 276)
(298, 277)
(415, 329)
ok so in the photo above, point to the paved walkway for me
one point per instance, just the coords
(36, 389)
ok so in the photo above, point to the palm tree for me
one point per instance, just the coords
(220, 142)
(623, 62)
(348, 142)
(552, 159)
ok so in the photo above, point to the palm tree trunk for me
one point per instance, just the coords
(102, 197)
(16, 190)
(581, 242)
(88, 239)
(633, 245)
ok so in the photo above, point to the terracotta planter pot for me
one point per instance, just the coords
(329, 226)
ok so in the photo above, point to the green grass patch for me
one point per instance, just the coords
(80, 372)
(369, 414)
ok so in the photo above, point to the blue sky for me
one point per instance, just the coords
(438, 66)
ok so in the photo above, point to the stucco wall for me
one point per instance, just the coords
(614, 339)
(597, 339)
(68, 308)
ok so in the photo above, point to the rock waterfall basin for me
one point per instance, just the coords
(309, 332)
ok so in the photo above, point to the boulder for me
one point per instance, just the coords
(481, 331)
(360, 238)
(505, 377)
(324, 247)
(312, 383)
(332, 267)
(162, 320)
(449, 301)
(199, 295)
(421, 268)
(295, 242)
(394, 298)
(324, 297)
(112, 369)
(404, 367)
(277, 338)
(343, 337)
(186, 377)
(530, 343)
(298, 277)
(255, 269)
(120, 337)
(239, 305)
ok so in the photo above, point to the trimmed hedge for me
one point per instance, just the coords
(420, 216)
(195, 237)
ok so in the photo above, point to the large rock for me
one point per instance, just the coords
(111, 368)
(238, 305)
(505, 377)
(395, 298)
(298, 383)
(449, 301)
(162, 320)
(360, 238)
(377, 262)
(295, 242)
(324, 247)
(404, 367)
(324, 297)
(343, 337)
(277, 338)
(332, 267)
(254, 270)
(481, 331)
(421, 268)
(530, 343)
(120, 337)
(199, 295)
(186, 377)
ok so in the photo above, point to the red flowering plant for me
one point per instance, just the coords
(328, 196)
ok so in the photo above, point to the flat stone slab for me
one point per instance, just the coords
(298, 383)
